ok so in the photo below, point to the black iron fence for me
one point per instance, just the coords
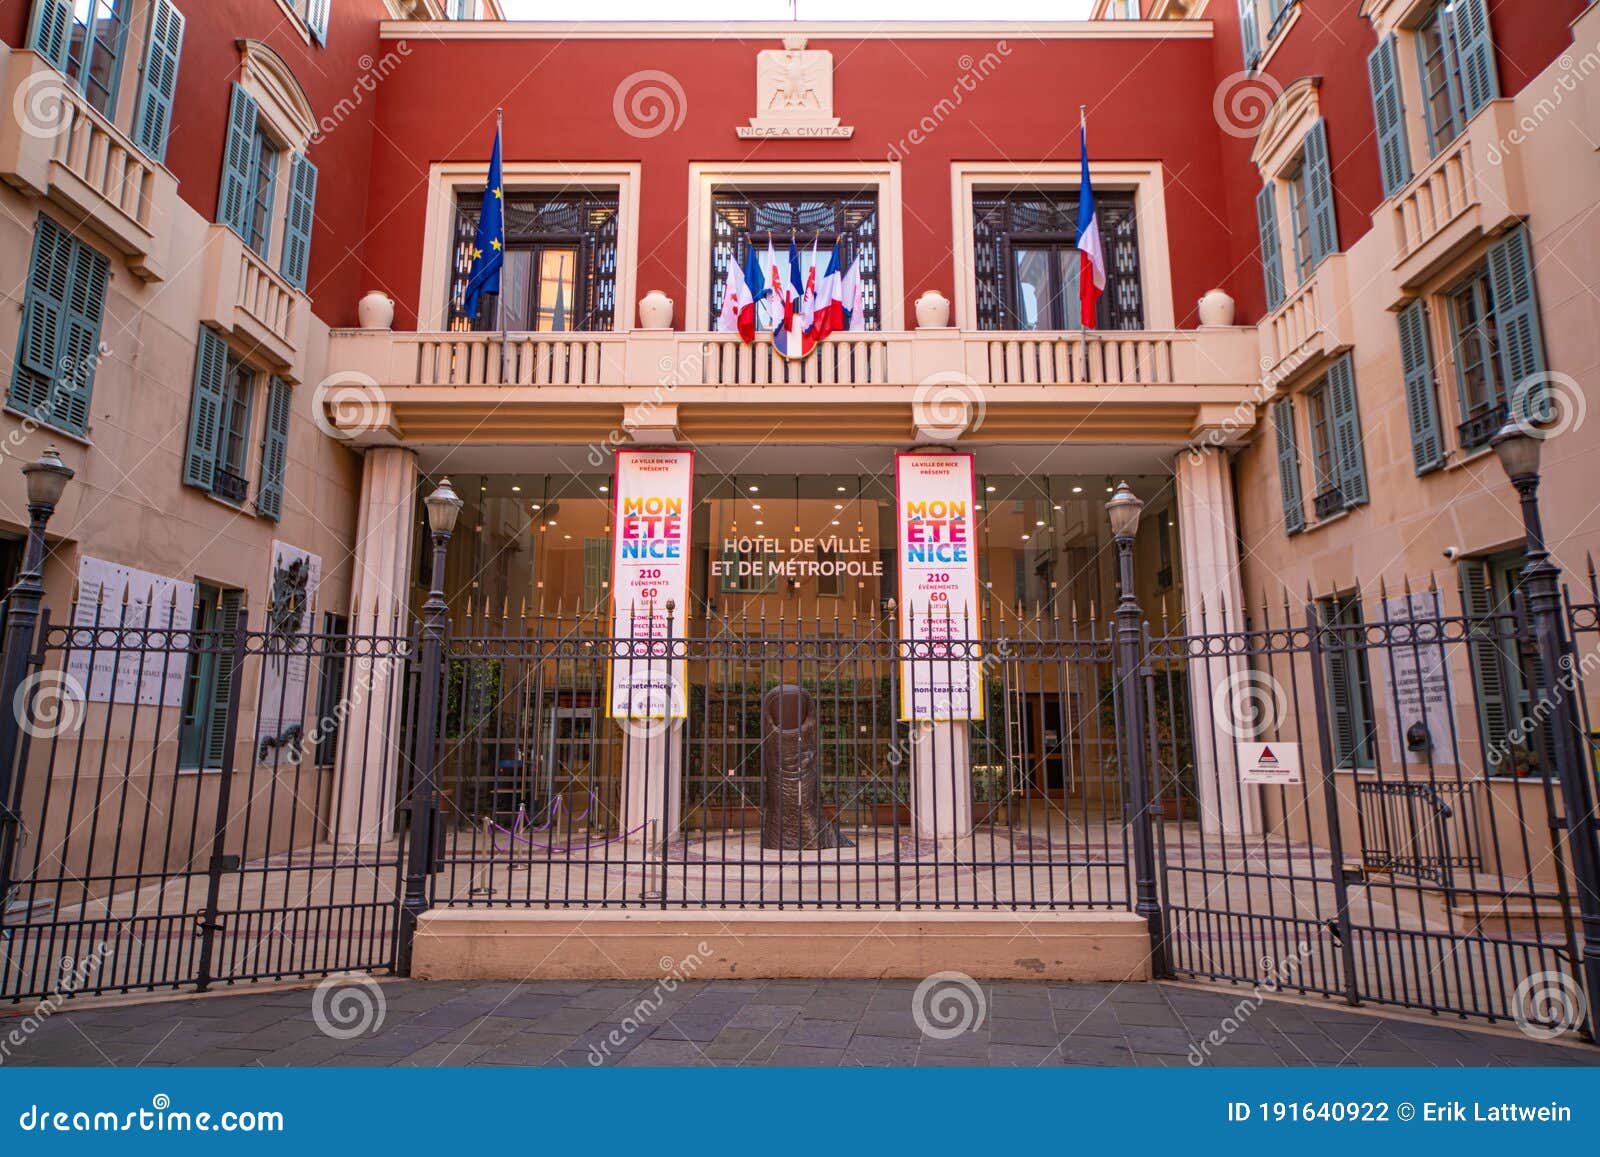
(200, 801)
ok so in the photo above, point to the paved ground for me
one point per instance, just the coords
(754, 1023)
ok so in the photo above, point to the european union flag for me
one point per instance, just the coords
(489, 246)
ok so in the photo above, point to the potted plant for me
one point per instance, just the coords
(989, 791)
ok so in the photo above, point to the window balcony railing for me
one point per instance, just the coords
(1313, 324)
(1329, 502)
(1473, 189)
(245, 297)
(54, 144)
(229, 487)
(1481, 425)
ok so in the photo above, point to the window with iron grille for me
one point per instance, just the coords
(560, 272)
(772, 217)
(1026, 262)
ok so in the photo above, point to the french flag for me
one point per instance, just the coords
(1091, 257)
(828, 316)
(792, 339)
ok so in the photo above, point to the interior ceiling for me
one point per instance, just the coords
(746, 458)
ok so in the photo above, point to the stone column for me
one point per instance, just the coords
(1213, 602)
(370, 735)
(941, 780)
(652, 780)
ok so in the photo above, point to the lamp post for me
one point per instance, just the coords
(1518, 449)
(47, 478)
(444, 507)
(1123, 509)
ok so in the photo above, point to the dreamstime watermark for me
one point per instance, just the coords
(1573, 71)
(1242, 101)
(1276, 974)
(648, 103)
(348, 404)
(972, 73)
(947, 1004)
(1546, 404)
(40, 104)
(347, 1005)
(1548, 1004)
(74, 976)
(674, 372)
(1248, 704)
(947, 405)
(676, 973)
(1519, 735)
(49, 704)
(373, 72)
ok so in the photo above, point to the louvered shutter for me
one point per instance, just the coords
(1294, 513)
(1388, 111)
(1271, 247)
(1346, 423)
(1422, 402)
(205, 410)
(1249, 32)
(1319, 194)
(228, 614)
(1338, 665)
(50, 33)
(1516, 315)
(59, 344)
(1474, 44)
(234, 198)
(274, 450)
(317, 20)
(299, 222)
(1483, 650)
(152, 117)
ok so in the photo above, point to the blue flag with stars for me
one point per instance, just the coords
(489, 246)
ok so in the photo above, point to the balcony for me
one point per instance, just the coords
(873, 386)
(55, 146)
(244, 297)
(1310, 327)
(1474, 189)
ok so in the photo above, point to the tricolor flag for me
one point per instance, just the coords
(1091, 258)
(791, 339)
(828, 317)
(756, 285)
(850, 298)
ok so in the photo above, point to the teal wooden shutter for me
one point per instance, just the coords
(1338, 666)
(234, 198)
(1271, 247)
(1516, 315)
(58, 348)
(1345, 419)
(50, 33)
(1483, 650)
(317, 20)
(301, 217)
(1319, 194)
(1422, 402)
(205, 410)
(1294, 512)
(1388, 111)
(152, 116)
(274, 450)
(1480, 82)
(1249, 32)
(228, 616)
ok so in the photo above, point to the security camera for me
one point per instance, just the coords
(1452, 553)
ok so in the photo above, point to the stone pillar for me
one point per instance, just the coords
(368, 765)
(1213, 602)
(652, 780)
(941, 780)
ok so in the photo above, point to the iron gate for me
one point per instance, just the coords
(179, 821)
(1423, 856)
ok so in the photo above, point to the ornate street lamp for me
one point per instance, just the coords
(1518, 449)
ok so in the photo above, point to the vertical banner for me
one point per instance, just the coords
(936, 496)
(649, 567)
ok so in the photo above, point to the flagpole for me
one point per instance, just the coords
(500, 300)
(1083, 150)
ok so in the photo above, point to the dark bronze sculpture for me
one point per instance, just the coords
(791, 812)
